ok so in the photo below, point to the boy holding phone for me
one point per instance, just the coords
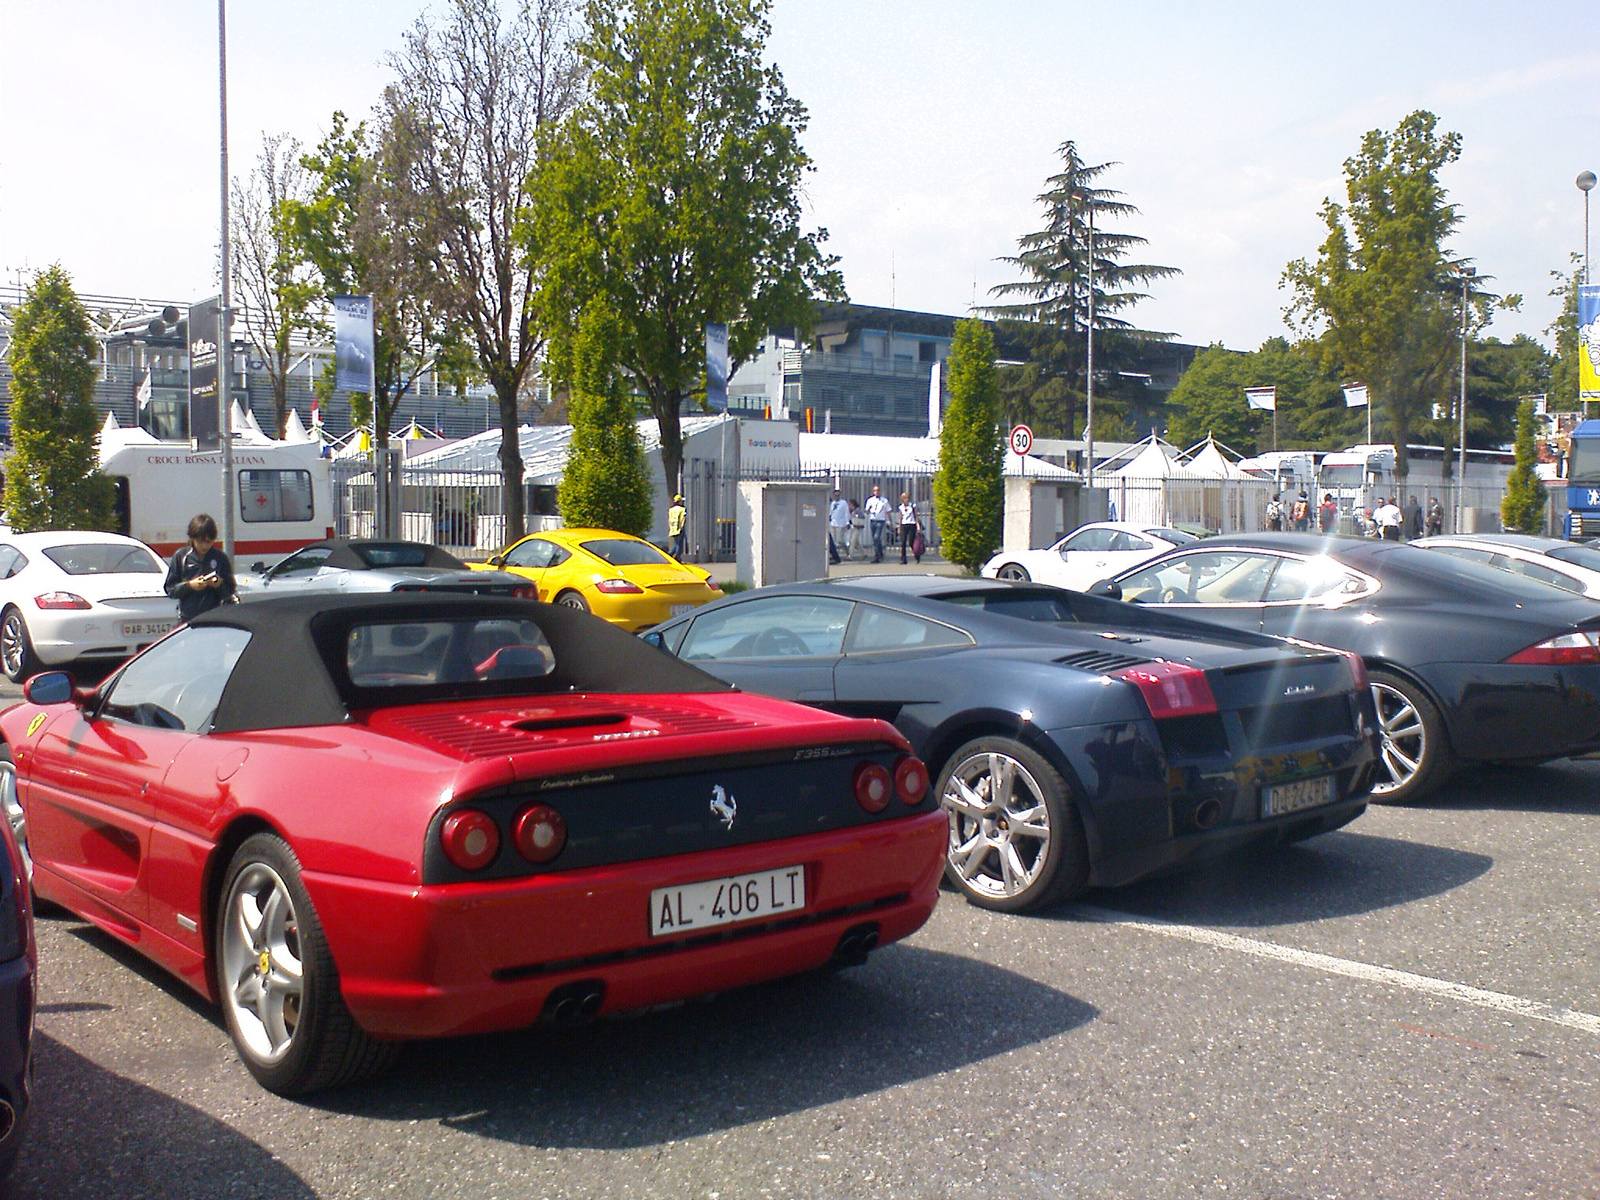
(200, 577)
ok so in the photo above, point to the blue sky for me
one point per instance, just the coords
(933, 127)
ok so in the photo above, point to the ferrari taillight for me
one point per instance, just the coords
(1170, 689)
(873, 787)
(539, 833)
(1569, 649)
(60, 600)
(713, 585)
(470, 839)
(910, 779)
(618, 587)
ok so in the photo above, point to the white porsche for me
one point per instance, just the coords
(1087, 555)
(67, 595)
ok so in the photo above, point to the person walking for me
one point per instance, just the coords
(200, 577)
(677, 528)
(877, 510)
(838, 526)
(1435, 517)
(1300, 514)
(1327, 513)
(858, 530)
(1275, 515)
(910, 526)
(1413, 519)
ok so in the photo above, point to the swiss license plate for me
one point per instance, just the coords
(691, 906)
(1292, 797)
(678, 610)
(145, 629)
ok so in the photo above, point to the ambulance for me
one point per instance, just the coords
(283, 492)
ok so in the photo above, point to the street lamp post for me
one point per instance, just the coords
(1088, 406)
(1586, 183)
(1461, 405)
(225, 317)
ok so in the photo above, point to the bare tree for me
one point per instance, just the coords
(277, 287)
(461, 128)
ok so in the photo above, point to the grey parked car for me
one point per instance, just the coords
(347, 567)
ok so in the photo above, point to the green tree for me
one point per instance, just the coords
(1383, 292)
(1049, 312)
(1526, 501)
(673, 195)
(1209, 399)
(1564, 331)
(605, 484)
(53, 478)
(969, 488)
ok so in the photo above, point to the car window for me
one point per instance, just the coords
(1317, 578)
(1208, 577)
(625, 552)
(303, 562)
(770, 627)
(177, 683)
(393, 554)
(1544, 574)
(535, 553)
(1095, 541)
(1176, 536)
(1128, 541)
(1578, 556)
(105, 558)
(885, 629)
(11, 561)
(1470, 553)
(1020, 603)
(386, 654)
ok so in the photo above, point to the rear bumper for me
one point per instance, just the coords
(434, 961)
(1497, 712)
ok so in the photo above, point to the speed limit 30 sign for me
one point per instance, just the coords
(1021, 439)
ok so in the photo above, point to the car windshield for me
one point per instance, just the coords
(418, 653)
(397, 554)
(105, 558)
(625, 552)
(1024, 605)
(1578, 556)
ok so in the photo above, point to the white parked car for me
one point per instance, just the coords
(1566, 565)
(73, 594)
(1088, 554)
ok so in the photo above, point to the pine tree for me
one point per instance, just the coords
(1526, 501)
(53, 478)
(968, 488)
(1050, 312)
(605, 484)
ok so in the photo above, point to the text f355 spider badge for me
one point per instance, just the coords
(723, 806)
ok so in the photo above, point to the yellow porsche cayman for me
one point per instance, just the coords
(614, 575)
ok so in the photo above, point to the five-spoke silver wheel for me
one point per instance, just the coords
(17, 658)
(1014, 841)
(263, 979)
(1412, 756)
(1015, 572)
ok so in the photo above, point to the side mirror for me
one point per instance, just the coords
(497, 560)
(1108, 589)
(258, 568)
(50, 687)
(654, 639)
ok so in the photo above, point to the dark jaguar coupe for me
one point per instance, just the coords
(1469, 663)
(1075, 741)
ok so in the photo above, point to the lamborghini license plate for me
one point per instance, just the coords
(1292, 797)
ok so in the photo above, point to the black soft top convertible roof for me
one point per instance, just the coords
(292, 673)
(357, 555)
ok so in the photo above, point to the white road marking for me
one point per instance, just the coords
(1479, 997)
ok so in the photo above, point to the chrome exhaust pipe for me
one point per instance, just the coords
(574, 1004)
(1207, 813)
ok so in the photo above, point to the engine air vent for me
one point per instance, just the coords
(1101, 661)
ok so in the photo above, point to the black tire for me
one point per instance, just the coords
(11, 808)
(1014, 571)
(1414, 757)
(572, 599)
(985, 828)
(17, 658)
(325, 1048)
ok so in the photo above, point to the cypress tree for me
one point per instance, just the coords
(53, 478)
(605, 484)
(968, 487)
(1526, 501)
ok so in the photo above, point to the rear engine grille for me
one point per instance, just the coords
(1101, 661)
(482, 735)
(1301, 721)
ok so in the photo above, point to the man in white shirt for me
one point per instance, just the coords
(877, 510)
(1388, 517)
(838, 526)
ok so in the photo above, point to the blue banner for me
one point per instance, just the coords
(353, 357)
(717, 368)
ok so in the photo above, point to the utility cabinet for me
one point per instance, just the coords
(783, 532)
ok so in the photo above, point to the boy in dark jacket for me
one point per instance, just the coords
(200, 577)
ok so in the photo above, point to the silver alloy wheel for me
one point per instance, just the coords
(999, 824)
(1405, 738)
(1012, 571)
(14, 813)
(572, 600)
(13, 643)
(262, 977)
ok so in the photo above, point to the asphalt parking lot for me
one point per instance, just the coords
(1404, 1008)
